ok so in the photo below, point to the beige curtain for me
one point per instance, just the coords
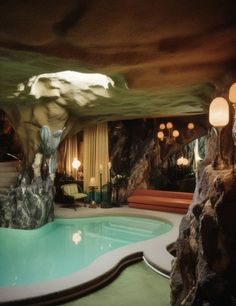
(96, 156)
(68, 151)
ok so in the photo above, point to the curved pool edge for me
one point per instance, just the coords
(71, 292)
(103, 269)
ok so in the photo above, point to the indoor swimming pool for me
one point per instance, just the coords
(66, 246)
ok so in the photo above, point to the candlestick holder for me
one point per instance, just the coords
(109, 191)
(101, 187)
(92, 188)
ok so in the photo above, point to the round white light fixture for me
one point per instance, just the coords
(162, 126)
(219, 112)
(76, 164)
(232, 93)
(169, 125)
(182, 161)
(179, 161)
(175, 133)
(160, 135)
(190, 126)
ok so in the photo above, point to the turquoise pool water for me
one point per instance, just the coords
(67, 245)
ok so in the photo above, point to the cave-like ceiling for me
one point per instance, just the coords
(174, 56)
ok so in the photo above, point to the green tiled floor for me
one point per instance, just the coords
(137, 285)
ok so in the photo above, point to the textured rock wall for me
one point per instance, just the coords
(203, 272)
(43, 109)
(28, 206)
(133, 151)
(136, 152)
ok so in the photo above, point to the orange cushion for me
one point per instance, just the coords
(181, 210)
(162, 193)
(165, 201)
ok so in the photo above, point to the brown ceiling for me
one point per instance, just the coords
(155, 45)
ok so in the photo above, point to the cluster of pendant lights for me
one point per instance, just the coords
(183, 161)
(169, 127)
(171, 132)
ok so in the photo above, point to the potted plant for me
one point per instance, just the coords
(119, 181)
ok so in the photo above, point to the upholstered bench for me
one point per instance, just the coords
(169, 201)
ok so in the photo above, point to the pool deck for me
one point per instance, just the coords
(104, 268)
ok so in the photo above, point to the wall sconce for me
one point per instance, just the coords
(182, 161)
(167, 133)
(219, 118)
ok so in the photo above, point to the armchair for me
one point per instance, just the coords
(72, 190)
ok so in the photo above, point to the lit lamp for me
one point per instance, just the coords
(182, 161)
(160, 135)
(92, 187)
(92, 182)
(179, 161)
(219, 118)
(169, 125)
(75, 165)
(162, 126)
(190, 126)
(109, 191)
(167, 133)
(175, 133)
(232, 98)
(100, 175)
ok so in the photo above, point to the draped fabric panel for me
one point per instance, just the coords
(68, 151)
(96, 155)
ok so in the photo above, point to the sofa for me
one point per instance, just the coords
(168, 201)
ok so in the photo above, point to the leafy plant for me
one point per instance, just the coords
(119, 180)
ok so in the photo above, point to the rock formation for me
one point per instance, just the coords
(44, 111)
(203, 272)
(28, 205)
(148, 163)
(57, 100)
